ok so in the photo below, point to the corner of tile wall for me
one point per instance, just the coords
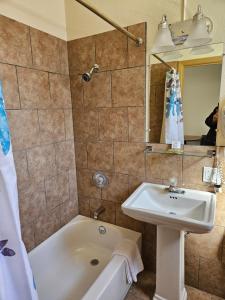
(36, 85)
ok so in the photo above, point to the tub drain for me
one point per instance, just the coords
(94, 262)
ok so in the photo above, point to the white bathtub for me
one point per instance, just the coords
(62, 268)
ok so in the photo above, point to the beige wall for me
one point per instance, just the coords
(48, 16)
(81, 22)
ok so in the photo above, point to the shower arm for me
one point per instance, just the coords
(138, 40)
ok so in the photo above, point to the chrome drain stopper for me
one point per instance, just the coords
(94, 262)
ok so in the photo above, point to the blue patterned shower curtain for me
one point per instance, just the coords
(16, 279)
(173, 123)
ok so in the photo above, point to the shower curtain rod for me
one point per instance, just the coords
(138, 40)
(162, 61)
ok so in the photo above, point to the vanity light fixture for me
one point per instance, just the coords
(191, 32)
(163, 40)
(200, 30)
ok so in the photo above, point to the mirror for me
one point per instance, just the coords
(199, 70)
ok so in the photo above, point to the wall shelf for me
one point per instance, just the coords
(209, 153)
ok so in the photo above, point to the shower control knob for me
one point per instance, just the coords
(100, 180)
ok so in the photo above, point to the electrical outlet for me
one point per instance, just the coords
(210, 175)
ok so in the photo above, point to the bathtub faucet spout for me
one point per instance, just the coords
(98, 211)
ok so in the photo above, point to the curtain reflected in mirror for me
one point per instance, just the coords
(172, 131)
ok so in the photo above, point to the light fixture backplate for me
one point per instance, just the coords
(181, 30)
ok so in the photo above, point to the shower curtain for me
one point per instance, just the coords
(173, 126)
(16, 279)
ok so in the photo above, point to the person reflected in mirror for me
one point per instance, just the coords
(211, 122)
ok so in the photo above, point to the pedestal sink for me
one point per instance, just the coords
(192, 211)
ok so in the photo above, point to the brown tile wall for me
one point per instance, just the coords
(36, 85)
(108, 115)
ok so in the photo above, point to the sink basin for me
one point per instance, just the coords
(193, 211)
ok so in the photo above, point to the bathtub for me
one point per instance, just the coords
(76, 262)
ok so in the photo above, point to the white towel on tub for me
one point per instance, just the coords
(134, 265)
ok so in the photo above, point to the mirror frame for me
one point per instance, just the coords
(220, 139)
(194, 63)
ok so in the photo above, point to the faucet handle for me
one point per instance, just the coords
(173, 181)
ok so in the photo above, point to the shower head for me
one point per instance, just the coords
(87, 76)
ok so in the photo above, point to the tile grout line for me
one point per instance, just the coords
(18, 88)
(31, 48)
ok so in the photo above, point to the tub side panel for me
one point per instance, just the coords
(112, 283)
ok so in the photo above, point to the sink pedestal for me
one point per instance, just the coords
(170, 265)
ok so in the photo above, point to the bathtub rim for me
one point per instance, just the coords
(136, 236)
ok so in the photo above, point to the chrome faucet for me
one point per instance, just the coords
(173, 187)
(98, 211)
